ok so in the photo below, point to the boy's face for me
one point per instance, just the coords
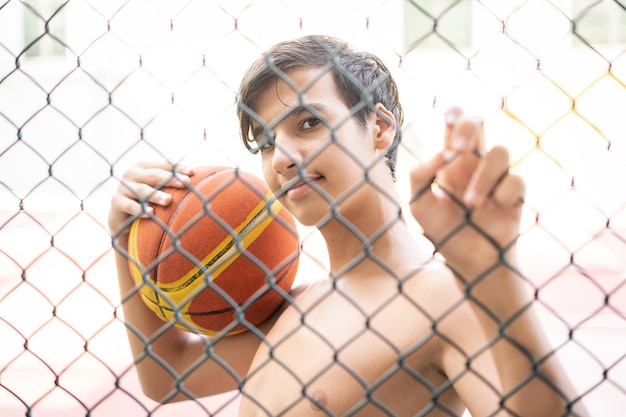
(320, 153)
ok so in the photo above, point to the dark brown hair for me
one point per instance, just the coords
(361, 78)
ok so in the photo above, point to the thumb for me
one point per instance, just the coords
(422, 177)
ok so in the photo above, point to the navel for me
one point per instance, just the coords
(319, 400)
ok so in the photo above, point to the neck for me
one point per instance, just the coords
(376, 240)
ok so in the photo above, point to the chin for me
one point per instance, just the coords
(306, 217)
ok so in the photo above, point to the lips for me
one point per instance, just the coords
(299, 187)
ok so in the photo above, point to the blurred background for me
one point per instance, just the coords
(90, 87)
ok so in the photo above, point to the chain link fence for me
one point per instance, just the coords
(90, 87)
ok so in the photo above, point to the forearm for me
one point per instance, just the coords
(532, 379)
(165, 355)
(154, 346)
(167, 358)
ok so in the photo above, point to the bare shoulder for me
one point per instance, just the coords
(437, 291)
(434, 288)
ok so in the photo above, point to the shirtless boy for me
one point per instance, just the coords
(390, 332)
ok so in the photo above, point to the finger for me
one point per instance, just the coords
(156, 176)
(489, 173)
(167, 166)
(144, 193)
(509, 192)
(162, 178)
(422, 177)
(130, 207)
(451, 116)
(184, 169)
(467, 135)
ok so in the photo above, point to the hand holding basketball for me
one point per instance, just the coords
(140, 191)
(216, 253)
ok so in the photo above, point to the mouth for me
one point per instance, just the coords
(298, 187)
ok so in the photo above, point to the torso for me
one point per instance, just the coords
(362, 348)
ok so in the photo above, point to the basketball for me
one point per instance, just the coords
(220, 258)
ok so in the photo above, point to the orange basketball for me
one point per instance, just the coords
(220, 258)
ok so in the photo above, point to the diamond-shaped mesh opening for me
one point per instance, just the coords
(412, 296)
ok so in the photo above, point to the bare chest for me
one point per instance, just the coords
(337, 357)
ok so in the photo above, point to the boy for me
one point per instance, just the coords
(391, 332)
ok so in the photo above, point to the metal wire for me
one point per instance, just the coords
(90, 87)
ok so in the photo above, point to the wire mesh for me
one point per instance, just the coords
(90, 87)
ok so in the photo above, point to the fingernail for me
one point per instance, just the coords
(183, 169)
(452, 115)
(181, 180)
(470, 197)
(451, 118)
(147, 211)
(460, 143)
(163, 198)
(449, 156)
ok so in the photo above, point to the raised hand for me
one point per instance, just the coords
(466, 201)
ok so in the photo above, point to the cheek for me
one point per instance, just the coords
(269, 175)
(348, 158)
(356, 144)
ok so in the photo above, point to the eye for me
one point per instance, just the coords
(310, 123)
(265, 141)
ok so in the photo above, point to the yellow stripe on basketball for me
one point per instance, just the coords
(224, 254)
(133, 251)
(137, 271)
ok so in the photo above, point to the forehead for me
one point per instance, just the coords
(297, 87)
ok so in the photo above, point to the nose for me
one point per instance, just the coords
(286, 155)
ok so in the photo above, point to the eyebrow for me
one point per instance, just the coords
(294, 111)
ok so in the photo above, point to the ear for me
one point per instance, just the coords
(384, 128)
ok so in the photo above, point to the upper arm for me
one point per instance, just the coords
(493, 376)
(213, 366)
(197, 366)
(474, 378)
(465, 356)
(210, 366)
